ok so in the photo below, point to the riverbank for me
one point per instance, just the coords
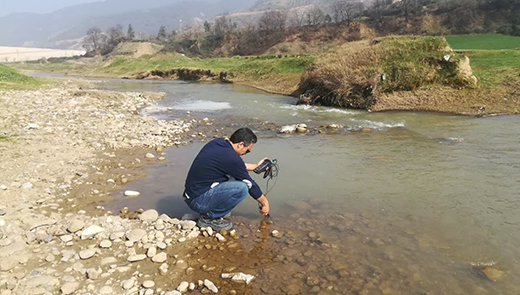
(63, 150)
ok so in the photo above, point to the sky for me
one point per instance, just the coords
(36, 6)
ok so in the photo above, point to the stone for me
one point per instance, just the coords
(27, 185)
(105, 244)
(149, 156)
(50, 258)
(3, 187)
(173, 293)
(301, 129)
(86, 254)
(238, 277)
(152, 251)
(209, 284)
(66, 238)
(117, 235)
(75, 225)
(183, 287)
(220, 237)
(493, 273)
(287, 129)
(276, 234)
(69, 288)
(161, 245)
(131, 194)
(135, 235)
(148, 284)
(91, 231)
(106, 290)
(8, 263)
(137, 257)
(163, 269)
(108, 260)
(93, 273)
(129, 284)
(160, 258)
(149, 215)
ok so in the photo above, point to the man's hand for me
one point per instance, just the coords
(263, 205)
(251, 167)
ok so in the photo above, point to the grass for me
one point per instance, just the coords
(353, 73)
(483, 42)
(494, 67)
(11, 79)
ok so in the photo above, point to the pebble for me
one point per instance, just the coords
(132, 193)
(209, 284)
(160, 258)
(161, 245)
(106, 290)
(149, 215)
(148, 284)
(105, 244)
(66, 238)
(91, 231)
(69, 288)
(129, 284)
(152, 251)
(135, 235)
(137, 257)
(75, 225)
(86, 254)
(93, 273)
(220, 237)
(149, 156)
(2, 222)
(50, 258)
(163, 269)
(173, 293)
(276, 234)
(183, 287)
(27, 185)
(3, 187)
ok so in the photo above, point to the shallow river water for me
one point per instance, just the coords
(417, 205)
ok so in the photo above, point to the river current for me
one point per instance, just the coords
(391, 203)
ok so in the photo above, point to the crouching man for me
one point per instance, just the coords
(218, 180)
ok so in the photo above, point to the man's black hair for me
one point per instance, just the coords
(245, 135)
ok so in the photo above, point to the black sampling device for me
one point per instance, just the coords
(270, 170)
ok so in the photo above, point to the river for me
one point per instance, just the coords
(390, 203)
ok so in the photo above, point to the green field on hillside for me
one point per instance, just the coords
(483, 42)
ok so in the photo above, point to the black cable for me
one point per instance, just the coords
(272, 173)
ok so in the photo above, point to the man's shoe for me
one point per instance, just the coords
(215, 223)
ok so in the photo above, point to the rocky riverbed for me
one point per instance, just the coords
(63, 149)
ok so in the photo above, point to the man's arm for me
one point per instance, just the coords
(263, 205)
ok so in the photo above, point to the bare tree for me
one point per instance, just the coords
(315, 16)
(345, 11)
(273, 21)
(297, 17)
(94, 39)
(115, 35)
(222, 26)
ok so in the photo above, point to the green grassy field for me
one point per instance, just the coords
(483, 42)
(11, 79)
(493, 67)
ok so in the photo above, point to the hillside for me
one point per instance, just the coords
(71, 23)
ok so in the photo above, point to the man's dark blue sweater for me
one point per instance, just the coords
(216, 163)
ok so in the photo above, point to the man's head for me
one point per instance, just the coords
(242, 140)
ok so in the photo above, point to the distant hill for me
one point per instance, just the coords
(65, 27)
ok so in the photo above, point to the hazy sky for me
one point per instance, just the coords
(37, 6)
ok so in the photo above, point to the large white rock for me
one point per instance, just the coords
(149, 215)
(91, 231)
